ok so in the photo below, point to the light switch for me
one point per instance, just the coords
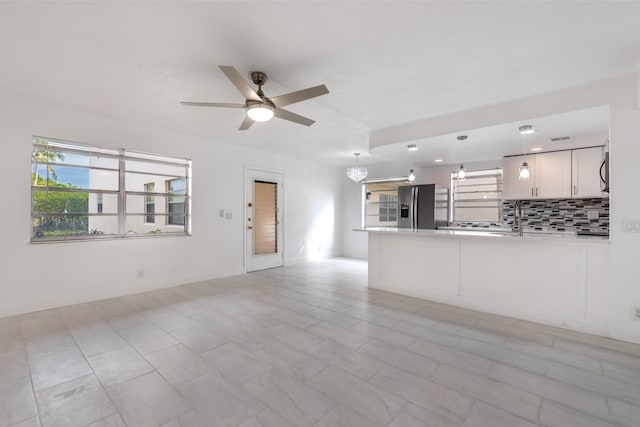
(221, 213)
(631, 225)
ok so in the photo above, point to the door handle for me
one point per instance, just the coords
(249, 228)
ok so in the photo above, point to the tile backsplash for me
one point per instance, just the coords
(560, 214)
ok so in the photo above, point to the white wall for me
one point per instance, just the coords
(622, 95)
(39, 276)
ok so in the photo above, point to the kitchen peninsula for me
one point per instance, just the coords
(554, 279)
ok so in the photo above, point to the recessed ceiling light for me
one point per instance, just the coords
(526, 129)
(537, 149)
(438, 160)
(412, 147)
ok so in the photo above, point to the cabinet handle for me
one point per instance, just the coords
(575, 190)
(536, 191)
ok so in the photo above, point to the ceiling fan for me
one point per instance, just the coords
(259, 107)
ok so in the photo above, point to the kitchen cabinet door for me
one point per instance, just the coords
(512, 187)
(585, 169)
(553, 175)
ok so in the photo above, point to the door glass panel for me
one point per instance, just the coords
(265, 219)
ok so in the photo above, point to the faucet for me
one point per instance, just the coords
(517, 219)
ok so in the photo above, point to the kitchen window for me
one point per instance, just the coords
(381, 204)
(82, 192)
(477, 198)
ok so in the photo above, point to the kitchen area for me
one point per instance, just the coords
(522, 234)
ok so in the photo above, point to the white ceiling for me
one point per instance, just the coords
(385, 63)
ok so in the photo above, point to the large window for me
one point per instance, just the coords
(381, 204)
(477, 198)
(83, 192)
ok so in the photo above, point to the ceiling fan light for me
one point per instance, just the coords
(526, 130)
(260, 112)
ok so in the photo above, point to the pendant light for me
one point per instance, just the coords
(357, 173)
(412, 176)
(523, 172)
(462, 174)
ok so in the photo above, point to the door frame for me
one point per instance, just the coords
(248, 170)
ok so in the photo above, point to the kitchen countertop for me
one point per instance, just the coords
(487, 233)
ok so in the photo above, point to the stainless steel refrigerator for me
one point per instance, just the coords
(423, 206)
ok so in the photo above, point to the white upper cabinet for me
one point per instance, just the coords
(512, 187)
(585, 169)
(550, 177)
(553, 175)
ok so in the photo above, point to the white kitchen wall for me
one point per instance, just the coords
(39, 276)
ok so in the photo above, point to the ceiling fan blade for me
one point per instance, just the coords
(292, 117)
(237, 80)
(246, 123)
(213, 104)
(301, 95)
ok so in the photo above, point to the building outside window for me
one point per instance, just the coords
(149, 203)
(477, 198)
(176, 188)
(81, 192)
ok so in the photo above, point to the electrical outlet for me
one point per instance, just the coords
(140, 274)
(229, 215)
(593, 214)
(635, 313)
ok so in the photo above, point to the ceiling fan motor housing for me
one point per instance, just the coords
(259, 78)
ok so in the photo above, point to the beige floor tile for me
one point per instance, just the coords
(386, 335)
(420, 391)
(219, 401)
(177, 364)
(555, 415)
(76, 403)
(147, 401)
(293, 399)
(341, 416)
(114, 420)
(96, 338)
(452, 357)
(409, 361)
(117, 366)
(234, 363)
(16, 401)
(57, 368)
(427, 333)
(568, 395)
(347, 359)
(510, 399)
(363, 398)
(624, 413)
(340, 335)
(483, 415)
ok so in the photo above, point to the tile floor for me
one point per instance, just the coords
(305, 345)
